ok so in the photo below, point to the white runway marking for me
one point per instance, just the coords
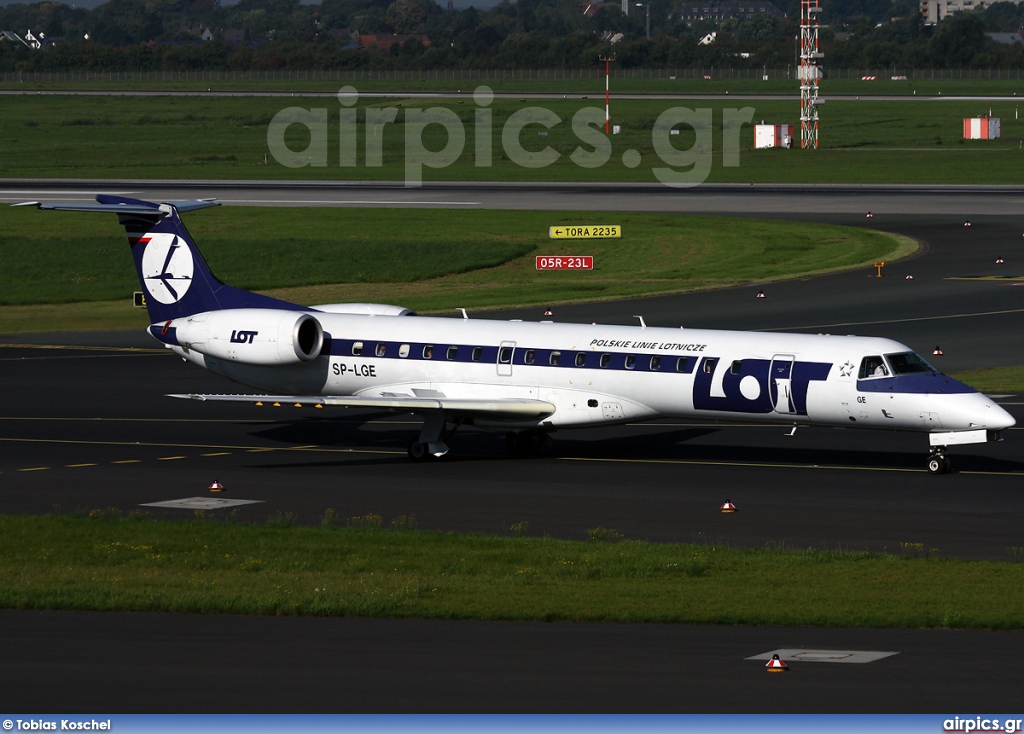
(47, 192)
(387, 202)
(200, 503)
(824, 656)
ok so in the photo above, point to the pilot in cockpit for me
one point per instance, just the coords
(875, 367)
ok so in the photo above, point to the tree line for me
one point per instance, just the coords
(163, 35)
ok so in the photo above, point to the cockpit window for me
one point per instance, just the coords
(873, 367)
(908, 363)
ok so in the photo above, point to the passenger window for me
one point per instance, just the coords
(478, 353)
(709, 366)
(581, 359)
(453, 352)
(737, 367)
(381, 349)
(655, 364)
(553, 359)
(428, 351)
(403, 351)
(606, 360)
(505, 355)
(683, 364)
(630, 361)
(873, 367)
(528, 357)
(357, 348)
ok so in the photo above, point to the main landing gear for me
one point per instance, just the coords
(431, 443)
(527, 443)
(938, 462)
(419, 451)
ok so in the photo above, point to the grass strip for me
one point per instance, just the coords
(106, 562)
(862, 140)
(633, 81)
(994, 381)
(421, 258)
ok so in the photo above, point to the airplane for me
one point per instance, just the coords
(527, 379)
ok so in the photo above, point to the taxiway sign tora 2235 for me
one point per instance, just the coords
(528, 379)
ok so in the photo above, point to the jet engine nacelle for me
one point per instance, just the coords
(259, 336)
(364, 309)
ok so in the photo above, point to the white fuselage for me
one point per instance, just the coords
(595, 374)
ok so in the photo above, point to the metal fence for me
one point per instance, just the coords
(484, 75)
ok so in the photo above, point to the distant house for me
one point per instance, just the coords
(206, 35)
(12, 37)
(690, 12)
(1010, 39)
(384, 42)
(935, 10)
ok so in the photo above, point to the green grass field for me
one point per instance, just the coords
(419, 259)
(1005, 83)
(367, 569)
(863, 141)
(995, 381)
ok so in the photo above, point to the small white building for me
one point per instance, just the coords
(981, 128)
(773, 136)
(932, 11)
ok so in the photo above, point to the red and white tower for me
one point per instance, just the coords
(809, 72)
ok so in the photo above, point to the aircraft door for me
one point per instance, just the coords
(505, 353)
(780, 383)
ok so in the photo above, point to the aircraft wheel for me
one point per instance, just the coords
(537, 441)
(418, 451)
(939, 464)
(513, 444)
(527, 443)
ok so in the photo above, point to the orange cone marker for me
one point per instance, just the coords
(870, 215)
(216, 487)
(760, 294)
(936, 352)
(967, 223)
(728, 507)
(776, 666)
(999, 261)
(547, 312)
(910, 277)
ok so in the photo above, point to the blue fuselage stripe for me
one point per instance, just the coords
(520, 356)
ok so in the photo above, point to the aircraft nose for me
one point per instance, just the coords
(996, 418)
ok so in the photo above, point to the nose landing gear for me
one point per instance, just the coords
(938, 462)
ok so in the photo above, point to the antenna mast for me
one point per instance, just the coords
(809, 72)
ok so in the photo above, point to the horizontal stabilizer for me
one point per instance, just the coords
(138, 207)
(191, 205)
(501, 409)
(107, 208)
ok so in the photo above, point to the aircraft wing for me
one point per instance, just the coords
(498, 409)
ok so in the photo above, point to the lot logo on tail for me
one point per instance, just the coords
(167, 267)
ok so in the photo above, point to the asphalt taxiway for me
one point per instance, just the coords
(85, 425)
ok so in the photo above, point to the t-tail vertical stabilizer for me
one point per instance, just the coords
(174, 277)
